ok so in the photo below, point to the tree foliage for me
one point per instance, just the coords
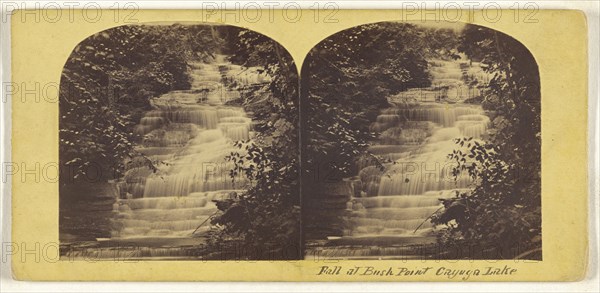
(504, 209)
(266, 217)
(107, 83)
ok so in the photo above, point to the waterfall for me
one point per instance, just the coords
(187, 134)
(416, 136)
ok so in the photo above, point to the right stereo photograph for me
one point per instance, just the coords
(420, 141)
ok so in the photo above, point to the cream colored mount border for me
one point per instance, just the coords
(558, 41)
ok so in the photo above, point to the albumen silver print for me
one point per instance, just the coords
(407, 141)
(421, 142)
(191, 153)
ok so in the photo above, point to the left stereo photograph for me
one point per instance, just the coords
(179, 141)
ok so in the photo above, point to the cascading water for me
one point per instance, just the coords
(187, 136)
(391, 207)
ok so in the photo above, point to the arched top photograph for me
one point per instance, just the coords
(172, 136)
(429, 135)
